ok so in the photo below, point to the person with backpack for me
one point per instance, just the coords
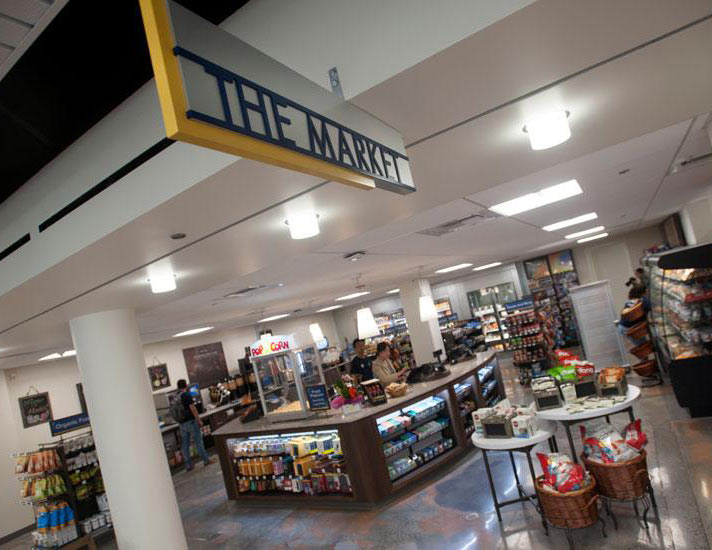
(186, 414)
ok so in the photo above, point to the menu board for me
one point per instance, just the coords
(561, 262)
(537, 268)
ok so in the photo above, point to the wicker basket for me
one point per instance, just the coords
(622, 481)
(574, 510)
(397, 390)
(646, 369)
(638, 331)
(643, 350)
(633, 313)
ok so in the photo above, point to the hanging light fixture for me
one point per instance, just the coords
(304, 225)
(316, 332)
(547, 130)
(427, 309)
(161, 277)
(366, 324)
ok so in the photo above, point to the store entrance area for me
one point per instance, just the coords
(455, 510)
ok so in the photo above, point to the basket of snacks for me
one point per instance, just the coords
(616, 460)
(638, 331)
(643, 350)
(633, 313)
(566, 493)
(396, 390)
(646, 369)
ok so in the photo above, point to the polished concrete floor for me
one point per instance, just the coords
(456, 510)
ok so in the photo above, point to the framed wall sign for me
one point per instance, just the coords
(206, 364)
(318, 398)
(159, 376)
(35, 409)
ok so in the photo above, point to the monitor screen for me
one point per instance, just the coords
(194, 390)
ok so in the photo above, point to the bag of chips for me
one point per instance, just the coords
(561, 473)
(603, 443)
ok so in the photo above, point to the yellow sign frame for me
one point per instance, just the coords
(171, 94)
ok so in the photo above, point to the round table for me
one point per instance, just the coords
(545, 432)
(559, 414)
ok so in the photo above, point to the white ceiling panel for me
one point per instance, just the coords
(681, 188)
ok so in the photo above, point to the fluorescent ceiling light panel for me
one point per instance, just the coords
(366, 324)
(487, 266)
(453, 268)
(394, 291)
(304, 225)
(193, 331)
(548, 129)
(50, 357)
(597, 229)
(571, 221)
(352, 296)
(530, 201)
(592, 238)
(274, 317)
(328, 308)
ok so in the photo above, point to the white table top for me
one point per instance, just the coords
(545, 431)
(560, 413)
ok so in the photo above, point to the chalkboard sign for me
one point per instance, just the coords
(318, 398)
(69, 423)
(35, 409)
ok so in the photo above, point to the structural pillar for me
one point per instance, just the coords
(425, 336)
(128, 441)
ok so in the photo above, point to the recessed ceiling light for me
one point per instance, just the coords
(352, 296)
(274, 317)
(161, 278)
(585, 232)
(530, 201)
(69, 353)
(571, 221)
(193, 331)
(394, 291)
(452, 268)
(546, 130)
(328, 308)
(486, 266)
(50, 357)
(592, 238)
(304, 225)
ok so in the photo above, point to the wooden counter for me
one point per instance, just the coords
(360, 441)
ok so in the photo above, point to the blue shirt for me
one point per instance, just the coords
(362, 366)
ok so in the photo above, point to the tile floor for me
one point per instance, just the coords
(456, 511)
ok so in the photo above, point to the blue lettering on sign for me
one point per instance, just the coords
(525, 303)
(353, 150)
(69, 423)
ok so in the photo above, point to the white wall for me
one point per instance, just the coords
(697, 221)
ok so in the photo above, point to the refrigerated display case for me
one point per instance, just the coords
(488, 304)
(680, 294)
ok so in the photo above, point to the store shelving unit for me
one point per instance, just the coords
(494, 326)
(463, 339)
(681, 321)
(445, 313)
(391, 324)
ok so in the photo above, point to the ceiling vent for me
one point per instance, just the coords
(690, 162)
(250, 290)
(458, 224)
(354, 256)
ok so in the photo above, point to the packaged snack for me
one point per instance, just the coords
(563, 372)
(561, 473)
(603, 443)
(634, 436)
(21, 464)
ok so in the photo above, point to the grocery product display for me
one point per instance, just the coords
(64, 485)
(462, 339)
(445, 312)
(381, 448)
(680, 295)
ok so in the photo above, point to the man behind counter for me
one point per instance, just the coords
(361, 364)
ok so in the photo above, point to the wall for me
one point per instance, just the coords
(635, 242)
(696, 220)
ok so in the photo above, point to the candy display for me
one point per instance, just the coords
(374, 391)
(402, 466)
(562, 474)
(56, 525)
(612, 381)
(604, 443)
(546, 393)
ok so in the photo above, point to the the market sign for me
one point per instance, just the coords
(269, 345)
(219, 92)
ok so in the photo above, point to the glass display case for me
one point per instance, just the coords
(680, 294)
(282, 375)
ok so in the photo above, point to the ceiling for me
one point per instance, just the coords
(50, 89)
(638, 85)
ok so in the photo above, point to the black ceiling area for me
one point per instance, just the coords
(90, 58)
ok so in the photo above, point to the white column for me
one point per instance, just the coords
(425, 336)
(129, 444)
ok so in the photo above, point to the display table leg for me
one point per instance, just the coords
(516, 476)
(567, 425)
(544, 524)
(491, 483)
(553, 446)
(630, 414)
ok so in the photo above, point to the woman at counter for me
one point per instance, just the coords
(383, 367)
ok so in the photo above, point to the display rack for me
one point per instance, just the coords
(681, 321)
(391, 324)
(494, 325)
(462, 339)
(445, 313)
